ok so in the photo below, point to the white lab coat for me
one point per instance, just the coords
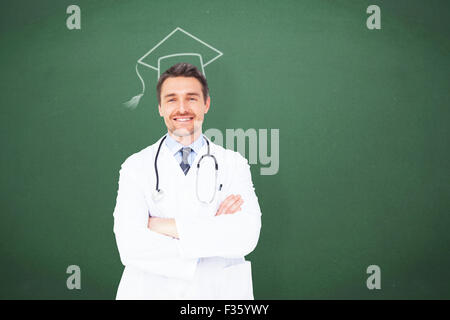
(207, 261)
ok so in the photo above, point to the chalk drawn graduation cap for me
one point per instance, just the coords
(177, 46)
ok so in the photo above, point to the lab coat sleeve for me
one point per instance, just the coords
(227, 235)
(138, 246)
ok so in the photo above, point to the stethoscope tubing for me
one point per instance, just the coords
(208, 154)
(156, 163)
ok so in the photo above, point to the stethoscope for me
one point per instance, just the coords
(158, 194)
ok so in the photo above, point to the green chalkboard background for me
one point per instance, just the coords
(364, 138)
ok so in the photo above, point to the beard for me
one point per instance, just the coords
(188, 130)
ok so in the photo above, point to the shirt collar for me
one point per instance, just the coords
(174, 146)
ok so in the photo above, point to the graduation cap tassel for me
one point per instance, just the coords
(133, 102)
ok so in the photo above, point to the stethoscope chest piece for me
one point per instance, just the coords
(157, 195)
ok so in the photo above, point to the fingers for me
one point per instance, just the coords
(230, 205)
(224, 204)
(220, 210)
(235, 206)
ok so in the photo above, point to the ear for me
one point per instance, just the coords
(207, 104)
(160, 111)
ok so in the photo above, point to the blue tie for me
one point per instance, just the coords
(184, 161)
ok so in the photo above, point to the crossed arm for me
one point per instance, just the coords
(167, 226)
(171, 247)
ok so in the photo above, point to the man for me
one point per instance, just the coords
(189, 240)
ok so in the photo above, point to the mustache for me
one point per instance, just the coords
(183, 115)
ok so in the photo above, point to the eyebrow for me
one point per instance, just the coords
(189, 94)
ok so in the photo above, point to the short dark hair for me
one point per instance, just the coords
(183, 70)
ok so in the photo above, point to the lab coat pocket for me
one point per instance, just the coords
(236, 282)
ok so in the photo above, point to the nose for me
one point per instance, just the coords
(182, 106)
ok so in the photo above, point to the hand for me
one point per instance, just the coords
(230, 205)
(165, 226)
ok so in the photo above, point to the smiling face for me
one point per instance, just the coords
(183, 107)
